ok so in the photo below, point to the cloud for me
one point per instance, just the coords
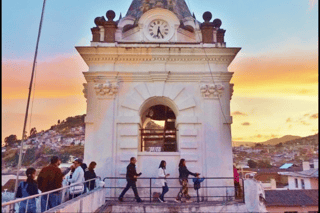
(288, 120)
(306, 114)
(237, 139)
(239, 113)
(246, 124)
(312, 4)
(305, 123)
(314, 116)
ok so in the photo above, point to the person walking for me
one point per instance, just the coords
(131, 177)
(162, 175)
(90, 174)
(183, 179)
(77, 177)
(50, 178)
(236, 182)
(26, 189)
(197, 181)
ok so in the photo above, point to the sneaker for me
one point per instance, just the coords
(176, 200)
(160, 200)
(188, 201)
(120, 199)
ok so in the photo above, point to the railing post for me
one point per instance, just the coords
(243, 190)
(47, 202)
(150, 188)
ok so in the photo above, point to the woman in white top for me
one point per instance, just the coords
(77, 177)
(162, 175)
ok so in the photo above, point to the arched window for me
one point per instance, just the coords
(158, 133)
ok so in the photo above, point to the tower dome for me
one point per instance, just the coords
(179, 7)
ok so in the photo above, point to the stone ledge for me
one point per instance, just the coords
(171, 206)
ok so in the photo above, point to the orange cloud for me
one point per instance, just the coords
(58, 77)
(245, 124)
(275, 76)
(314, 116)
(239, 113)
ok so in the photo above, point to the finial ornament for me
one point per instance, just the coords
(207, 16)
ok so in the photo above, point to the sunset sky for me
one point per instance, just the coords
(275, 73)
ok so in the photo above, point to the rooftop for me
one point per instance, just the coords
(292, 197)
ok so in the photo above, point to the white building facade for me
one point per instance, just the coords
(158, 66)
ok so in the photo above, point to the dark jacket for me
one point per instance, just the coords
(50, 178)
(184, 173)
(88, 175)
(197, 182)
(131, 171)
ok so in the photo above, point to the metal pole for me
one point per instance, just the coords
(150, 189)
(27, 109)
(243, 190)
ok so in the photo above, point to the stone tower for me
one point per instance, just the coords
(158, 88)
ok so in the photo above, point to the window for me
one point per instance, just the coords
(159, 132)
(296, 181)
(302, 184)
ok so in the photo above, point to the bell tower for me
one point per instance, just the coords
(158, 88)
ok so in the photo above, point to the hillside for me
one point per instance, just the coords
(273, 141)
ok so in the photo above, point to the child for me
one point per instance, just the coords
(197, 182)
(26, 189)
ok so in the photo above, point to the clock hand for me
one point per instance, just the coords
(161, 34)
(158, 32)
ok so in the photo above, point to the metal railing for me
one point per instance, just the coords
(158, 140)
(63, 194)
(147, 184)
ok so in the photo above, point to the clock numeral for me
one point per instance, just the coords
(151, 34)
(166, 26)
(158, 22)
(166, 33)
(150, 30)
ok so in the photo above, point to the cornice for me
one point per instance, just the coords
(101, 77)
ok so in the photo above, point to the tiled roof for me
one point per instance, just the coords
(292, 197)
(311, 173)
(179, 7)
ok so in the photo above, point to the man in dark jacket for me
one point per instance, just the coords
(131, 179)
(50, 178)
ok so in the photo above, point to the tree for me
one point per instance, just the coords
(33, 132)
(252, 163)
(258, 145)
(264, 164)
(10, 140)
(279, 145)
(59, 121)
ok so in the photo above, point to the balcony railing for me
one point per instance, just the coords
(13, 206)
(226, 193)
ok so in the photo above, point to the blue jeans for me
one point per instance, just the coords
(132, 184)
(32, 207)
(53, 201)
(165, 189)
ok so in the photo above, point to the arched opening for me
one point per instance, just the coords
(158, 133)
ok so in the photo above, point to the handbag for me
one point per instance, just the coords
(76, 189)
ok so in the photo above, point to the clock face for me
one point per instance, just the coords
(159, 29)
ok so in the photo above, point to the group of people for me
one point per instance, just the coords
(132, 175)
(51, 178)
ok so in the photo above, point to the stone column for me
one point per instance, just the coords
(216, 157)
